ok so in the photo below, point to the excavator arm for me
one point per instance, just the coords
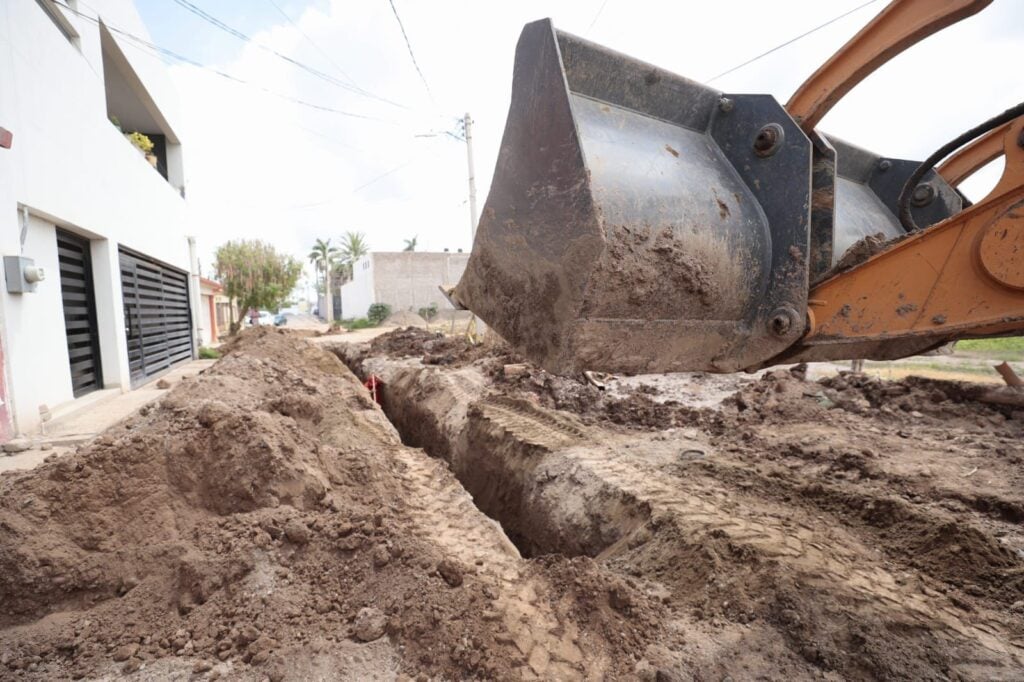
(641, 222)
(961, 278)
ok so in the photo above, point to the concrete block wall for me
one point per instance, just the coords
(404, 280)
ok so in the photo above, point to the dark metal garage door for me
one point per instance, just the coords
(157, 316)
(79, 301)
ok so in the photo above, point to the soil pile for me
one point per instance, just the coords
(263, 521)
(433, 348)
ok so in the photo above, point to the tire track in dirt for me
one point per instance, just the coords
(824, 558)
(914, 534)
(441, 509)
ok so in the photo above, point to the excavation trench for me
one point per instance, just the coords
(514, 460)
(735, 537)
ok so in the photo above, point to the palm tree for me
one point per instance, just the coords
(353, 247)
(323, 256)
(410, 244)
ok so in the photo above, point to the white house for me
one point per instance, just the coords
(404, 280)
(79, 200)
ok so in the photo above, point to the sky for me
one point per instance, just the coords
(261, 166)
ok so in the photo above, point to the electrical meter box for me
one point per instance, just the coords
(22, 274)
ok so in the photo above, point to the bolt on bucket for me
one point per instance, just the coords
(638, 221)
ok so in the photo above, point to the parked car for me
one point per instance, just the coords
(266, 317)
(280, 319)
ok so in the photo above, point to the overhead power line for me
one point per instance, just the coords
(596, 16)
(214, 21)
(163, 51)
(362, 186)
(792, 40)
(409, 45)
(383, 175)
(310, 41)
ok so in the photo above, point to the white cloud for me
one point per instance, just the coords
(255, 169)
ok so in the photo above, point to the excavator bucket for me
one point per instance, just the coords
(639, 221)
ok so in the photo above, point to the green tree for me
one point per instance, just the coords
(255, 275)
(323, 256)
(353, 247)
(410, 244)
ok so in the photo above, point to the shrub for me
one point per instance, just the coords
(358, 323)
(378, 312)
(428, 313)
(207, 353)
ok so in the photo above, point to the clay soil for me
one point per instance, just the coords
(267, 520)
(847, 528)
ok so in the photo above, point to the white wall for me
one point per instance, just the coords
(357, 295)
(70, 167)
(405, 280)
(36, 347)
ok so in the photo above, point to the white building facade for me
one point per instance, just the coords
(78, 199)
(404, 280)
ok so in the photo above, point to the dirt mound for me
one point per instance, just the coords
(405, 318)
(263, 520)
(434, 348)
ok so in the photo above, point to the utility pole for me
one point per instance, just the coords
(467, 123)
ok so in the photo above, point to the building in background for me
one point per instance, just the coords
(404, 280)
(227, 312)
(210, 327)
(105, 222)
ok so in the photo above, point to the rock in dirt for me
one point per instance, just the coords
(163, 384)
(515, 370)
(369, 624)
(123, 653)
(619, 597)
(296, 532)
(451, 572)
(381, 556)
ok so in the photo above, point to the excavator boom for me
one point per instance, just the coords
(639, 221)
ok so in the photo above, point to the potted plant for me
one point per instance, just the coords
(144, 145)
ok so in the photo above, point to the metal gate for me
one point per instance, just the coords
(157, 315)
(79, 302)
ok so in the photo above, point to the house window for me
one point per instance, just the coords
(58, 17)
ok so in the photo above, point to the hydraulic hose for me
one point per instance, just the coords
(906, 219)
